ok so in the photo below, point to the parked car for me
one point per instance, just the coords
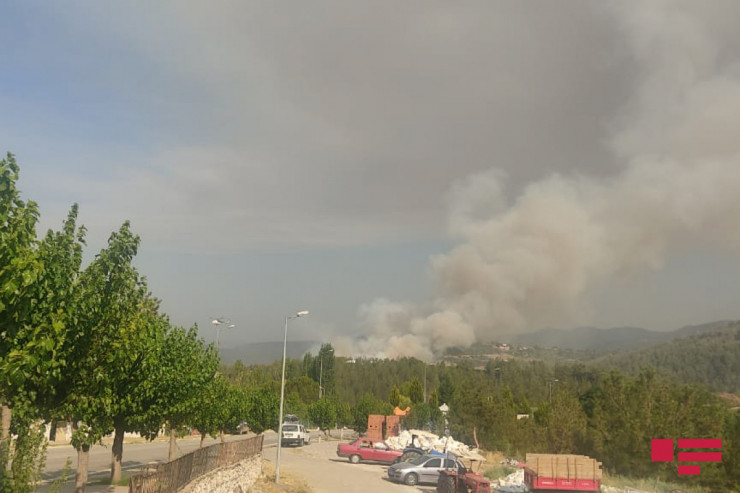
(424, 469)
(368, 449)
(411, 452)
(294, 434)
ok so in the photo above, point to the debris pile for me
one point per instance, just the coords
(513, 483)
(429, 441)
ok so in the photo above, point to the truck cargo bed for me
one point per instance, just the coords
(548, 472)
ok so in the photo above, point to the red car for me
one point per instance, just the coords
(370, 450)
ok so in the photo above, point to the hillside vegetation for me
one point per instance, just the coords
(709, 358)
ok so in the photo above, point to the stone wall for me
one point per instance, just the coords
(228, 479)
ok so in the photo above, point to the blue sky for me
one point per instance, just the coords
(419, 175)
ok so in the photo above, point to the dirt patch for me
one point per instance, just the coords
(288, 482)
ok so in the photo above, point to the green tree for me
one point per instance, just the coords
(416, 391)
(567, 424)
(323, 369)
(19, 270)
(306, 388)
(394, 397)
(323, 413)
(186, 365)
(262, 409)
(36, 381)
(446, 389)
(212, 408)
(368, 404)
(117, 331)
(434, 399)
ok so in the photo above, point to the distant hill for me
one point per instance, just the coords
(587, 338)
(262, 353)
(711, 356)
(595, 339)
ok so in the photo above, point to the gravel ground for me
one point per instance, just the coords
(316, 468)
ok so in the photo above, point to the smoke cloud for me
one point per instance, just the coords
(527, 262)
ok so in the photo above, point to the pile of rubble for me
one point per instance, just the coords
(429, 441)
(513, 483)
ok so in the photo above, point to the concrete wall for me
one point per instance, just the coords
(228, 479)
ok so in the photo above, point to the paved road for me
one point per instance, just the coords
(135, 455)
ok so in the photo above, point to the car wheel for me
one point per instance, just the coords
(411, 479)
(354, 459)
(308, 441)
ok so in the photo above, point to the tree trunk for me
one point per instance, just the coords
(116, 456)
(7, 414)
(5, 440)
(202, 438)
(83, 455)
(173, 445)
(223, 439)
(53, 431)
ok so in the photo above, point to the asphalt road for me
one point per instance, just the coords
(135, 455)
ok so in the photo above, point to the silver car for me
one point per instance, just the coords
(424, 469)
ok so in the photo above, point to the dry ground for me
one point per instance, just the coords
(316, 468)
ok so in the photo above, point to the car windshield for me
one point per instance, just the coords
(290, 428)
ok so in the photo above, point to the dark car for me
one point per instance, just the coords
(424, 469)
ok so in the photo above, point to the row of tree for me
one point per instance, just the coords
(518, 407)
(90, 346)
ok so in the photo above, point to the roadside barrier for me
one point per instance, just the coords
(170, 477)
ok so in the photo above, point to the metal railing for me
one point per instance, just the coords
(172, 476)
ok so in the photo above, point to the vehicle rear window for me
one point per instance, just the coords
(290, 428)
(434, 463)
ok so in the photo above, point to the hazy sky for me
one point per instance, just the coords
(420, 173)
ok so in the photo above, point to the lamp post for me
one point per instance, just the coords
(282, 395)
(321, 371)
(445, 409)
(425, 382)
(218, 322)
(550, 383)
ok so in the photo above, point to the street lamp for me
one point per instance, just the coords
(550, 383)
(282, 394)
(445, 409)
(321, 370)
(425, 379)
(218, 322)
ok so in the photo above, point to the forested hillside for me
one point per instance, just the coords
(569, 407)
(710, 358)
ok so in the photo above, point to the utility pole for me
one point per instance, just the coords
(551, 382)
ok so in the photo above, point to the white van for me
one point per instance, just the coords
(295, 434)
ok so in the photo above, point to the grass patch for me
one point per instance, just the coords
(498, 471)
(623, 483)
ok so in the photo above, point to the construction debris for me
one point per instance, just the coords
(513, 483)
(429, 441)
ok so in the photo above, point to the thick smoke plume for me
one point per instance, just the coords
(528, 262)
